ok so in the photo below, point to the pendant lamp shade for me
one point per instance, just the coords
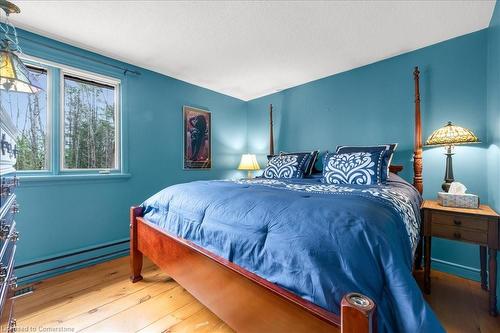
(14, 76)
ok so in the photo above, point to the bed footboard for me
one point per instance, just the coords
(245, 301)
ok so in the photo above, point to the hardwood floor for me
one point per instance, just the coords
(460, 304)
(101, 299)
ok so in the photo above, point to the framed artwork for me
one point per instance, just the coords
(197, 138)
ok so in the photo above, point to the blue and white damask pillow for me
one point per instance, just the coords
(287, 166)
(388, 150)
(360, 168)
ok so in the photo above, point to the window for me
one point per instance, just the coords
(90, 132)
(30, 115)
(71, 127)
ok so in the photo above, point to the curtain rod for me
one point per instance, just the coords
(124, 69)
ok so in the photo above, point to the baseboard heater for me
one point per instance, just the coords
(75, 263)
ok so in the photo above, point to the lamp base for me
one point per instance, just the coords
(448, 175)
(446, 186)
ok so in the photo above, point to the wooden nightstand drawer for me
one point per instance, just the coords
(461, 234)
(461, 220)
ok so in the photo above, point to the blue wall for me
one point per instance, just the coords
(374, 104)
(63, 216)
(493, 112)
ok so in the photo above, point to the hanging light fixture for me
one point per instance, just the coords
(14, 76)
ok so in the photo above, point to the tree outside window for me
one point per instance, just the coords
(88, 114)
(29, 114)
(89, 124)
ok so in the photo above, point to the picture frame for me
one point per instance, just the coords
(197, 141)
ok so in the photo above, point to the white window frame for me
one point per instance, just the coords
(116, 84)
(55, 119)
(30, 62)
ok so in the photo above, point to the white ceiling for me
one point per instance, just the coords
(248, 49)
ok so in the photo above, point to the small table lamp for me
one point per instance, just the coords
(249, 163)
(449, 136)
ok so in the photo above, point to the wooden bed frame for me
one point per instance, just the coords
(245, 301)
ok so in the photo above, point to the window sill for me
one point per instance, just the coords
(36, 180)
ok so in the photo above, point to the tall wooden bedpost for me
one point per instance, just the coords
(417, 152)
(271, 134)
(135, 254)
(418, 181)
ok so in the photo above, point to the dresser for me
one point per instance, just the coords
(8, 210)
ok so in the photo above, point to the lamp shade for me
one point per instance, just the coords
(14, 76)
(248, 162)
(450, 134)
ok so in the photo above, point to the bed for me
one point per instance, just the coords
(275, 255)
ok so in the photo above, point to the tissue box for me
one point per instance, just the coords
(458, 200)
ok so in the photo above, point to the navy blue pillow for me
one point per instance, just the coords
(318, 166)
(386, 159)
(308, 165)
(360, 168)
(312, 162)
(292, 165)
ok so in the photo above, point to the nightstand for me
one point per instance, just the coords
(476, 226)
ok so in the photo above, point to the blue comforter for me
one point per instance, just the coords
(319, 241)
